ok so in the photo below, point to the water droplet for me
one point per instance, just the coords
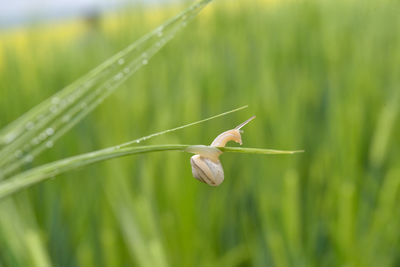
(55, 100)
(9, 138)
(62, 104)
(29, 125)
(126, 70)
(42, 136)
(49, 144)
(66, 118)
(35, 141)
(145, 61)
(49, 131)
(28, 158)
(137, 141)
(119, 76)
(54, 109)
(18, 154)
(121, 61)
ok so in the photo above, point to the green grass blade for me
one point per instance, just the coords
(40, 127)
(136, 141)
(258, 150)
(49, 170)
(41, 173)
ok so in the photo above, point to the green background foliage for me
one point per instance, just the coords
(322, 76)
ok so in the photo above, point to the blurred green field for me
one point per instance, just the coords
(323, 76)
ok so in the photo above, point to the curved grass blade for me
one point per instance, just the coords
(40, 127)
(44, 172)
(136, 141)
(258, 151)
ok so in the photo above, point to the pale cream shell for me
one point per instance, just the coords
(207, 170)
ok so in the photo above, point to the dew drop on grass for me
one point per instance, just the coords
(119, 76)
(35, 141)
(98, 92)
(55, 100)
(162, 41)
(29, 125)
(43, 135)
(71, 99)
(18, 154)
(9, 138)
(54, 109)
(66, 118)
(49, 131)
(28, 158)
(63, 104)
(121, 61)
(145, 61)
(49, 144)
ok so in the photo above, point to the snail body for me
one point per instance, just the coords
(206, 166)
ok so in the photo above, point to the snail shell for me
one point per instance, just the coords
(206, 170)
(206, 166)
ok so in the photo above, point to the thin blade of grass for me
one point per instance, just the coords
(258, 150)
(50, 170)
(136, 141)
(40, 127)
(41, 173)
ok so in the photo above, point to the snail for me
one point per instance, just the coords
(206, 166)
